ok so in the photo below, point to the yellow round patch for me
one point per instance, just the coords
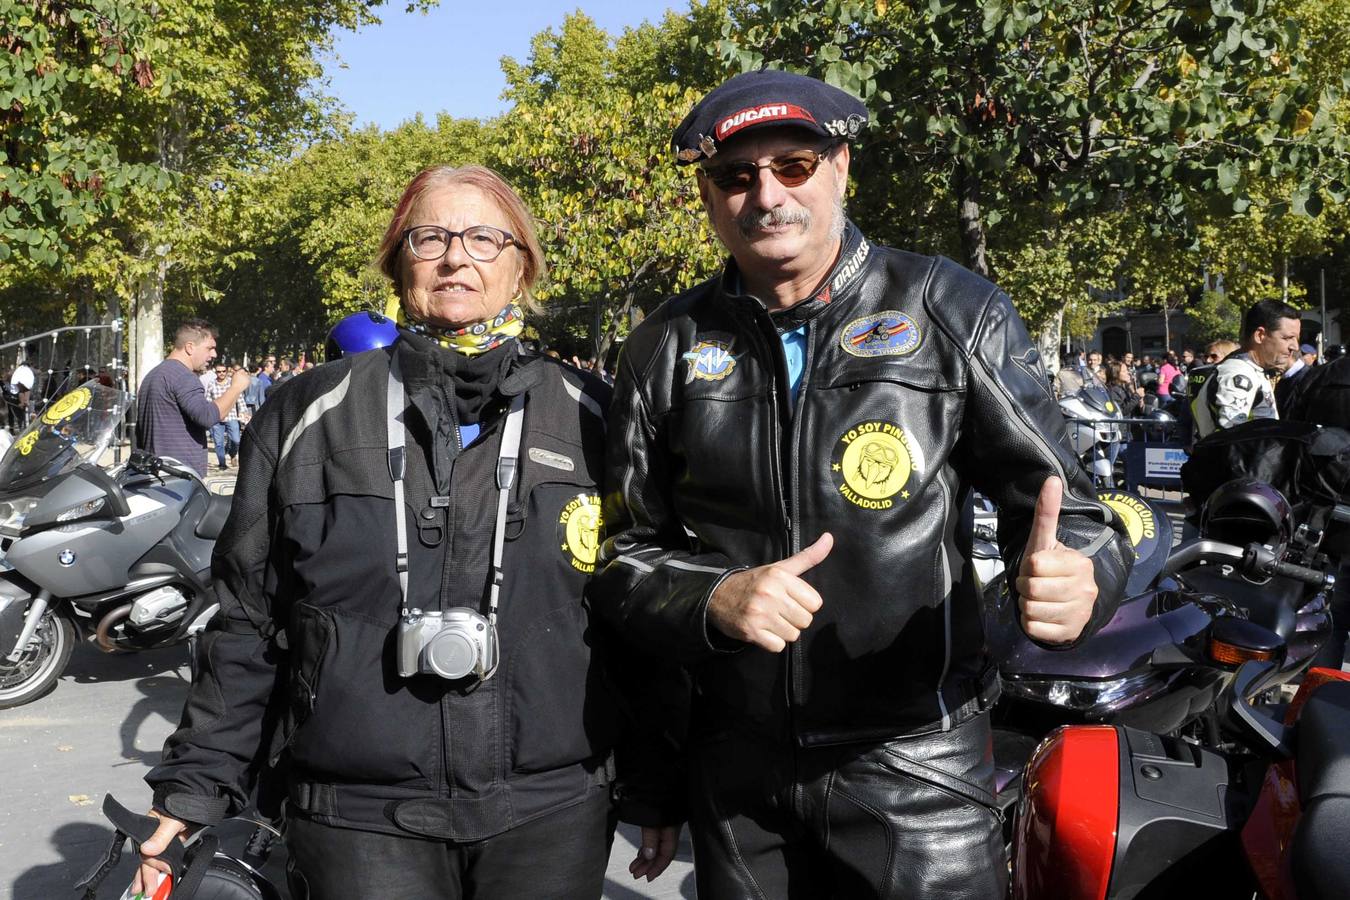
(68, 405)
(1137, 516)
(1110, 407)
(872, 463)
(579, 524)
(25, 443)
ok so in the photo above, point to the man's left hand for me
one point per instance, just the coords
(1056, 587)
(657, 850)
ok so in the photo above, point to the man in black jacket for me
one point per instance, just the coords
(790, 448)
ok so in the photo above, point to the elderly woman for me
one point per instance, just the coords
(401, 581)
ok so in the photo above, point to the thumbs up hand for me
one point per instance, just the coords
(769, 606)
(1055, 585)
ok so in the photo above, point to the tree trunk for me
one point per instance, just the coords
(1167, 329)
(1048, 342)
(148, 350)
(973, 242)
(621, 316)
(1284, 278)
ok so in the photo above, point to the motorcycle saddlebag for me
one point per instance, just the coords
(1115, 812)
(1307, 463)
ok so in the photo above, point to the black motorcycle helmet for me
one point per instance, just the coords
(1245, 511)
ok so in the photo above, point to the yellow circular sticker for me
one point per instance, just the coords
(68, 405)
(25, 443)
(579, 525)
(872, 463)
(1136, 514)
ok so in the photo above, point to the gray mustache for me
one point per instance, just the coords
(751, 222)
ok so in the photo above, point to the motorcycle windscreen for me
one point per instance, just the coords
(1150, 534)
(76, 427)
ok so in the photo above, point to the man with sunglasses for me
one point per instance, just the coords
(791, 448)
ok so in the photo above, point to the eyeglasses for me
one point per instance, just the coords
(1211, 357)
(482, 242)
(791, 169)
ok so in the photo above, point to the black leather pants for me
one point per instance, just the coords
(909, 818)
(562, 855)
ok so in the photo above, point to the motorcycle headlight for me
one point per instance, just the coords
(1091, 697)
(13, 512)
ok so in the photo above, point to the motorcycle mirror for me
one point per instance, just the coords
(1230, 642)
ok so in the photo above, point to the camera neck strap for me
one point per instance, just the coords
(508, 459)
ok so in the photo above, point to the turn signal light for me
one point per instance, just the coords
(1233, 641)
(1233, 655)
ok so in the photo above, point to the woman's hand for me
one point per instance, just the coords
(153, 870)
(657, 850)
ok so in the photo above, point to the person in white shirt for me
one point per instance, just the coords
(1240, 390)
(18, 390)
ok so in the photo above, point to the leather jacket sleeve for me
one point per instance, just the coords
(1014, 438)
(652, 582)
(210, 763)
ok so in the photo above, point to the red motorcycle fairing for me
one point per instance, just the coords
(1115, 812)
(1066, 829)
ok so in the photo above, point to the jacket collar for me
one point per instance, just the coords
(854, 253)
(424, 362)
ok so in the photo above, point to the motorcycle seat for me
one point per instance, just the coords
(1321, 867)
(217, 510)
(1273, 605)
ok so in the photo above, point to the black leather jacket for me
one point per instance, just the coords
(299, 667)
(920, 382)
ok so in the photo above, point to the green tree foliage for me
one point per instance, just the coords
(1068, 99)
(291, 246)
(59, 168)
(622, 226)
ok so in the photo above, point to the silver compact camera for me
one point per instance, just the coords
(452, 643)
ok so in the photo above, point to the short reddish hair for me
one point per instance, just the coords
(493, 186)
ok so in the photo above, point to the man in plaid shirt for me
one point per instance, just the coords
(225, 433)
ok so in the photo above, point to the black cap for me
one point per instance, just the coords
(764, 98)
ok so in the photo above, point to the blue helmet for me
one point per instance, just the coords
(359, 332)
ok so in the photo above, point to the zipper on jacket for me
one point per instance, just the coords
(772, 348)
(796, 664)
(945, 563)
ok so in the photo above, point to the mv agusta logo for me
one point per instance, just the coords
(872, 463)
(710, 360)
(579, 529)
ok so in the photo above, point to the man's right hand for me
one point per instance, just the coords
(241, 379)
(152, 870)
(770, 606)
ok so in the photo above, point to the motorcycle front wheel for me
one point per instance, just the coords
(36, 671)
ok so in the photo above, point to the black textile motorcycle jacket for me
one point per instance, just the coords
(920, 382)
(299, 667)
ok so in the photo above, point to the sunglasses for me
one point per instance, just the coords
(1211, 357)
(791, 169)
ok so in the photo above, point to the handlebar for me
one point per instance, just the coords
(1255, 560)
(145, 463)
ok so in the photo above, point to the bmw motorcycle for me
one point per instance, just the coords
(1095, 430)
(122, 555)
